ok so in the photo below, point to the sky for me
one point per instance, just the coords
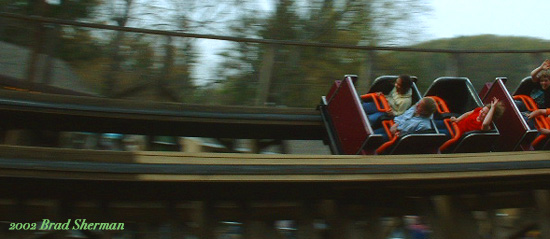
(453, 18)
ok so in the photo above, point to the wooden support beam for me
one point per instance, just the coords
(374, 229)
(454, 220)
(306, 220)
(207, 220)
(266, 69)
(543, 204)
(337, 218)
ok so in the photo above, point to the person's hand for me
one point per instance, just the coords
(397, 134)
(453, 119)
(544, 131)
(494, 102)
(379, 93)
(545, 65)
(393, 129)
(536, 113)
(390, 112)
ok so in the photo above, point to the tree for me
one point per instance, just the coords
(174, 58)
(17, 32)
(298, 73)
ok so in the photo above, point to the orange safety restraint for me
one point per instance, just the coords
(540, 121)
(451, 126)
(382, 105)
(387, 124)
(379, 100)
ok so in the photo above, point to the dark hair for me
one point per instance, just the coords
(406, 83)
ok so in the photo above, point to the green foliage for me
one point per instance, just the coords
(18, 32)
(299, 75)
(479, 68)
(302, 74)
(77, 45)
(73, 9)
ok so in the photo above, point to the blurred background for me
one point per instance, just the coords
(282, 53)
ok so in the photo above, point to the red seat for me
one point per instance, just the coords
(540, 121)
(455, 96)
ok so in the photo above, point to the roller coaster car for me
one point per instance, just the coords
(514, 130)
(455, 96)
(350, 131)
(522, 94)
(418, 143)
(345, 121)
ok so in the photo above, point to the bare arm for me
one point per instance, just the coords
(486, 125)
(544, 66)
(393, 129)
(539, 112)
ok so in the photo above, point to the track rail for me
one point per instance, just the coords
(258, 176)
(76, 113)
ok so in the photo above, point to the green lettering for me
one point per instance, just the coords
(80, 224)
(84, 225)
(103, 226)
(65, 226)
(44, 224)
(76, 224)
(57, 226)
